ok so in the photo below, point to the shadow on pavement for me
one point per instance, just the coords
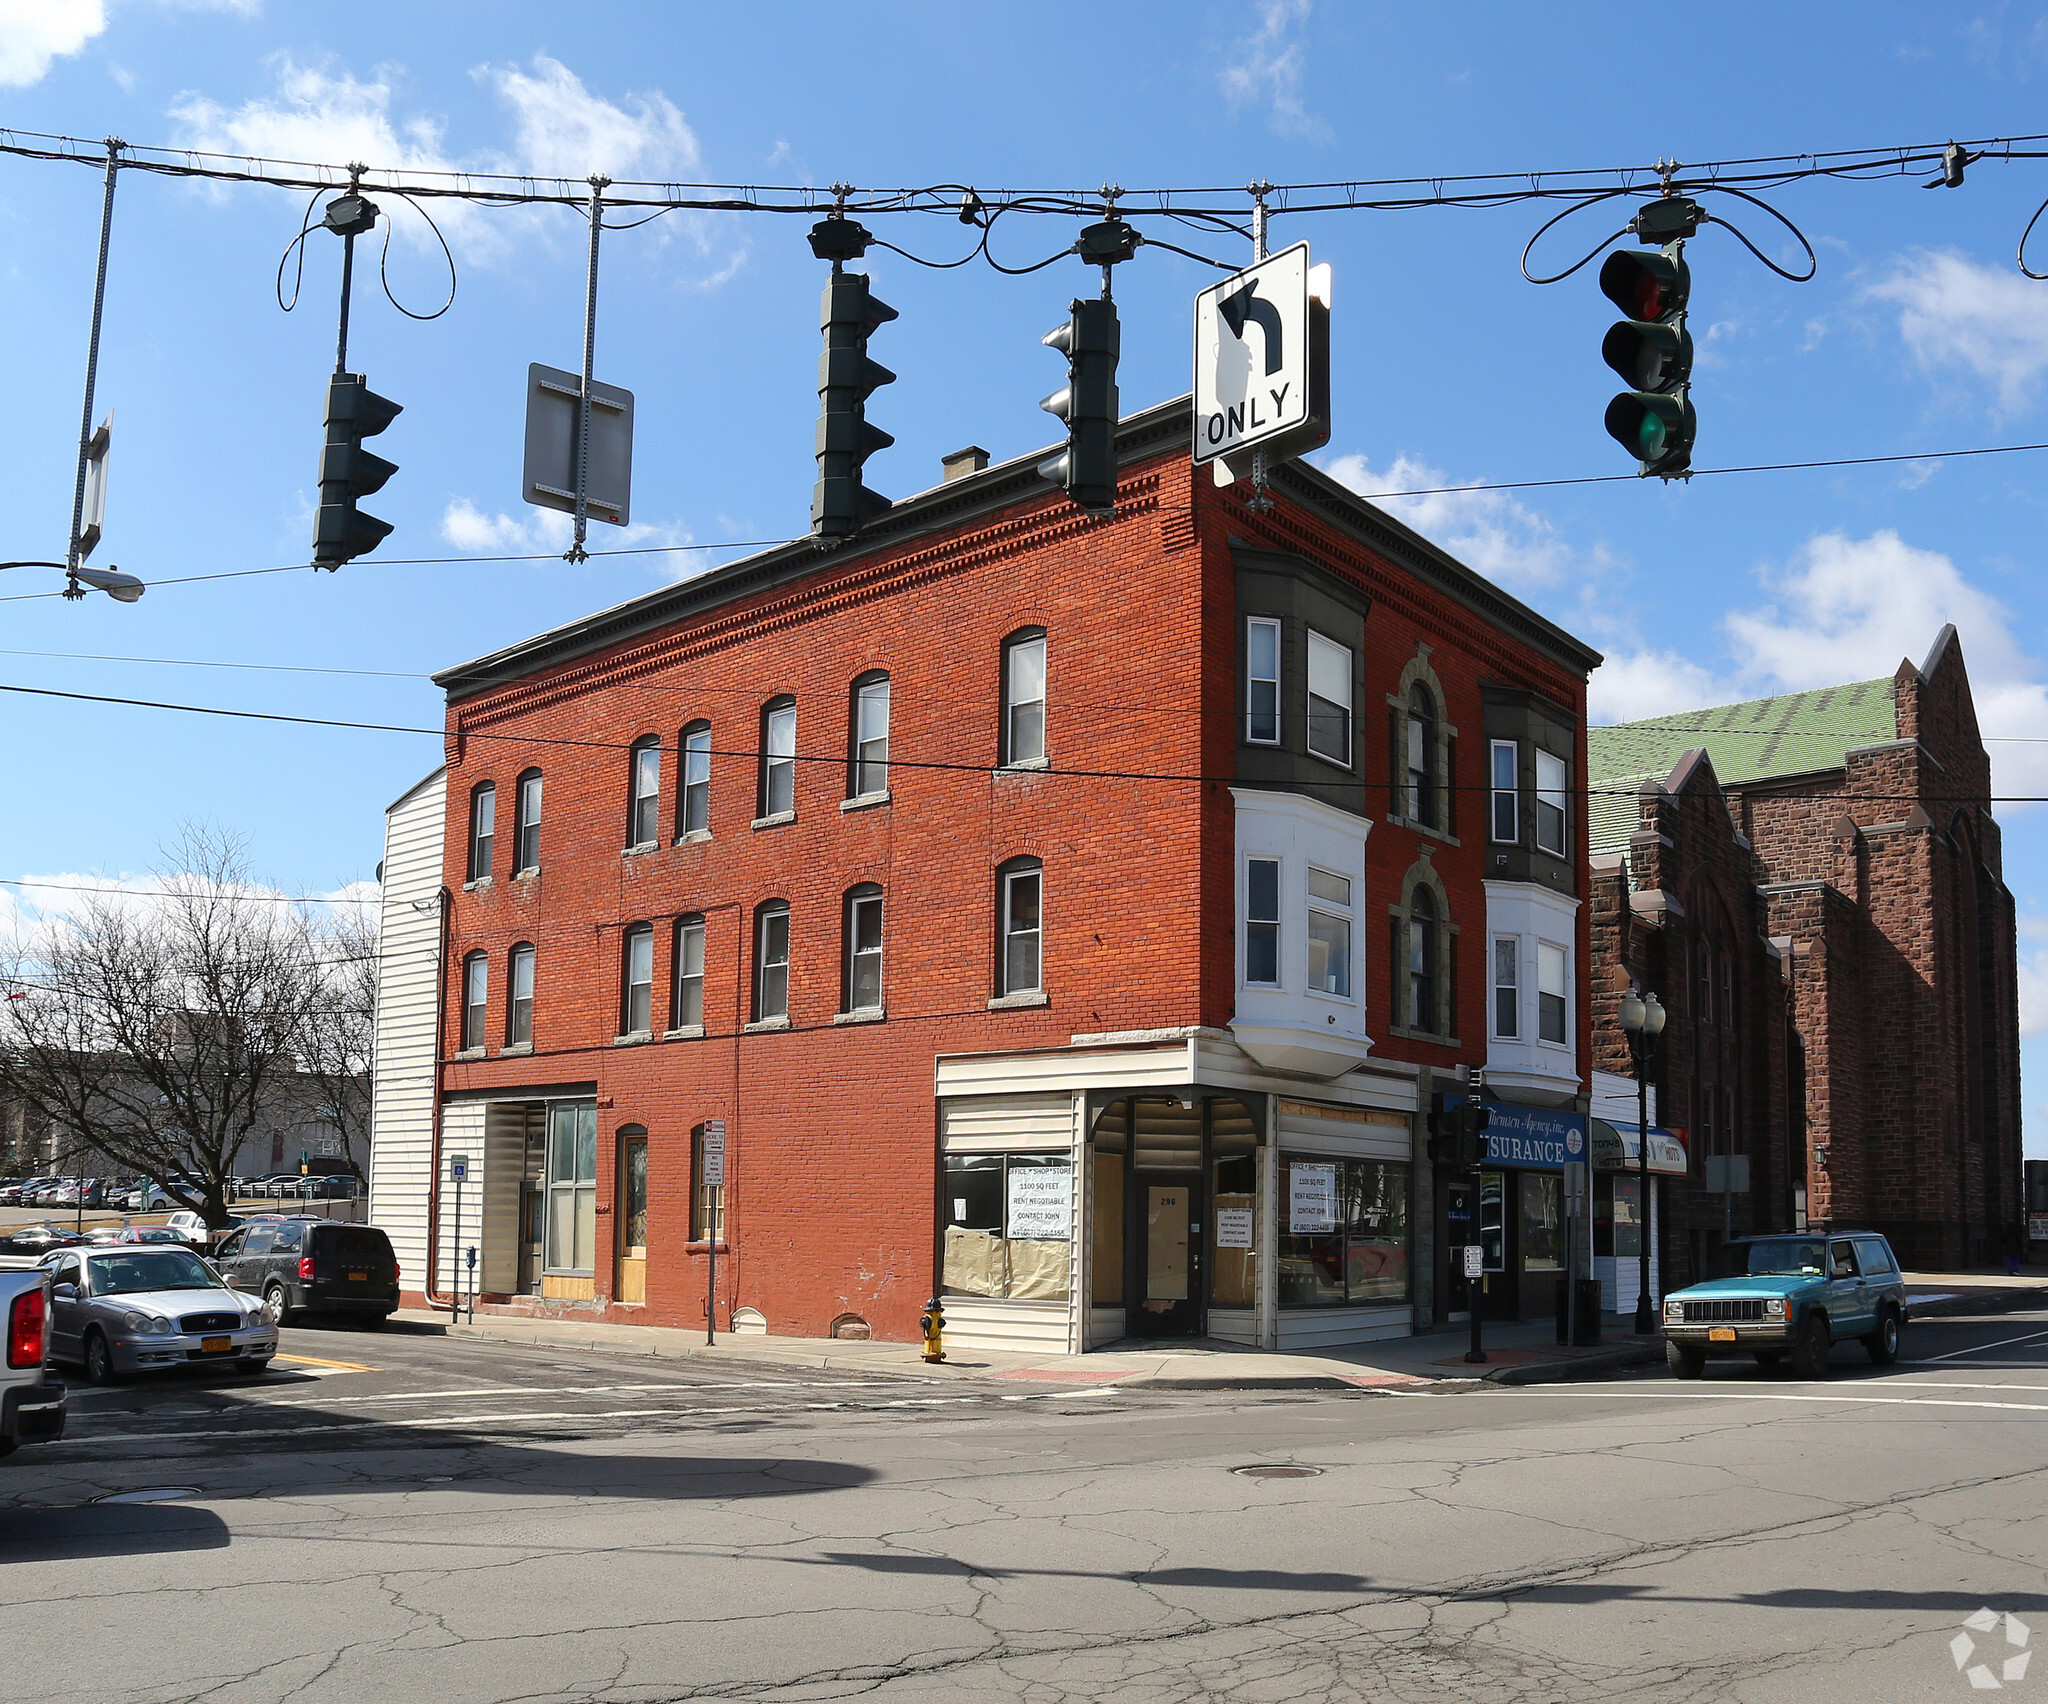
(70, 1535)
(1233, 1579)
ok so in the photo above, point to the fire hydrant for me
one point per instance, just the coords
(934, 1324)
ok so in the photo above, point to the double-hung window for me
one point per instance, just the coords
(642, 819)
(778, 757)
(1329, 699)
(1552, 1004)
(1552, 781)
(870, 766)
(571, 1245)
(483, 829)
(688, 1010)
(636, 1006)
(1422, 961)
(693, 814)
(707, 1200)
(1329, 933)
(519, 996)
(771, 960)
(1262, 680)
(1507, 987)
(863, 991)
(476, 999)
(1421, 800)
(1262, 921)
(1021, 923)
(526, 824)
(1505, 823)
(1024, 697)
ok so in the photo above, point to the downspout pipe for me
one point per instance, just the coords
(449, 1304)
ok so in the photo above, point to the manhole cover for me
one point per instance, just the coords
(1276, 1470)
(154, 1494)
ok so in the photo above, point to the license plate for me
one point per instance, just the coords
(359, 1277)
(1721, 1334)
(216, 1346)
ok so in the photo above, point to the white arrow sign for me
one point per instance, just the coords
(1262, 363)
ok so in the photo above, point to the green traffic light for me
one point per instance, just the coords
(1650, 437)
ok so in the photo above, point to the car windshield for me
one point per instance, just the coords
(154, 1269)
(1774, 1257)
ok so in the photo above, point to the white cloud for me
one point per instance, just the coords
(540, 532)
(1488, 531)
(1266, 68)
(1631, 685)
(1983, 321)
(33, 33)
(566, 131)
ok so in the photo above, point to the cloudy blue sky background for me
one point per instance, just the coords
(1918, 334)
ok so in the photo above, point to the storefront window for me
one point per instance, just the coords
(1345, 1236)
(1542, 1222)
(1493, 1219)
(572, 1187)
(1617, 1216)
(1234, 1204)
(633, 1176)
(1007, 1227)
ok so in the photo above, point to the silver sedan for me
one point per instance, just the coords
(138, 1308)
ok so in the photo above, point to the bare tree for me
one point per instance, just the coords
(335, 1050)
(161, 1029)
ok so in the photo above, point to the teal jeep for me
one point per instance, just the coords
(1793, 1295)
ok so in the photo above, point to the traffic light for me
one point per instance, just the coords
(1460, 1136)
(341, 531)
(846, 378)
(1651, 349)
(1086, 469)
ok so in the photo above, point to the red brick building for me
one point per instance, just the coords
(1078, 916)
(1812, 886)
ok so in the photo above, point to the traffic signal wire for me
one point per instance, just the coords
(840, 758)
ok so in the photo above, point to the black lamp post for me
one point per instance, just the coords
(1642, 1021)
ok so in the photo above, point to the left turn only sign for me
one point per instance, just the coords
(1262, 364)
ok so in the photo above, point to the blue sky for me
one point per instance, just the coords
(1918, 334)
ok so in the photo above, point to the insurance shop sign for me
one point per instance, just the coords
(1534, 1137)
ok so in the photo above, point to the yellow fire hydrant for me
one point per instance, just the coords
(934, 1324)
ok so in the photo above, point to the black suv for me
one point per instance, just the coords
(314, 1265)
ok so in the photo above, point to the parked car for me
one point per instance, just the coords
(319, 1265)
(149, 1234)
(131, 1310)
(100, 1235)
(1793, 1295)
(10, 1191)
(39, 1239)
(31, 1402)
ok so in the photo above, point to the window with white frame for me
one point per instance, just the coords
(1020, 898)
(778, 757)
(771, 960)
(519, 997)
(1262, 680)
(863, 990)
(869, 770)
(688, 1007)
(483, 829)
(1262, 921)
(1024, 696)
(476, 999)
(1552, 1003)
(1505, 827)
(1552, 783)
(693, 814)
(642, 819)
(571, 1232)
(526, 824)
(1329, 698)
(1329, 933)
(1507, 987)
(636, 1007)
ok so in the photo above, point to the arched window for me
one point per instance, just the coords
(867, 759)
(636, 1003)
(1424, 942)
(483, 828)
(771, 960)
(861, 989)
(519, 996)
(1023, 730)
(1020, 927)
(687, 1008)
(778, 757)
(1422, 777)
(693, 797)
(643, 824)
(476, 999)
(526, 824)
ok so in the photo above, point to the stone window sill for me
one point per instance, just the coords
(641, 851)
(1012, 1002)
(471, 1053)
(704, 1247)
(696, 837)
(518, 1049)
(688, 1032)
(1415, 827)
(530, 873)
(775, 821)
(1427, 1036)
(865, 801)
(1025, 766)
(481, 885)
(861, 1015)
(633, 1040)
(761, 1026)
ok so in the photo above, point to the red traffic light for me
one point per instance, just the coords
(1650, 287)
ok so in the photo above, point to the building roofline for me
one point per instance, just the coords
(414, 790)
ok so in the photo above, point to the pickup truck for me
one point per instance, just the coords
(31, 1402)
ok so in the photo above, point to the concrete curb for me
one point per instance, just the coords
(2001, 1300)
(1558, 1372)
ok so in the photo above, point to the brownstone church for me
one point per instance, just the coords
(1811, 885)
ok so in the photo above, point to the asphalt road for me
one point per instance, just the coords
(401, 1516)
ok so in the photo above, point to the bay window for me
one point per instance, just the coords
(1329, 699)
(1262, 921)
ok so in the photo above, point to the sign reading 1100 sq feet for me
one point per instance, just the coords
(1262, 364)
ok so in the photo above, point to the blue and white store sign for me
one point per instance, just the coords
(1539, 1137)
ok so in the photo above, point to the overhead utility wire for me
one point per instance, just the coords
(840, 759)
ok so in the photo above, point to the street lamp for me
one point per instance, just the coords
(123, 588)
(1642, 1021)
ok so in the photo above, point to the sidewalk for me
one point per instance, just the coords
(1516, 1354)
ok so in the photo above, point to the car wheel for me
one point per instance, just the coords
(373, 1322)
(1770, 1357)
(99, 1359)
(275, 1304)
(1810, 1350)
(1883, 1343)
(1684, 1360)
(249, 1369)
